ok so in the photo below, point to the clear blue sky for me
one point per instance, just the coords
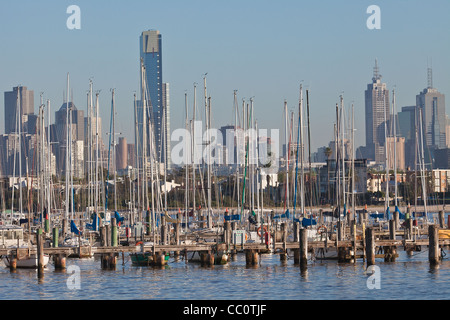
(264, 49)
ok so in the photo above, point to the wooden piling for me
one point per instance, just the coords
(12, 263)
(370, 246)
(163, 229)
(433, 249)
(40, 252)
(177, 227)
(442, 219)
(103, 242)
(392, 229)
(296, 251)
(114, 232)
(396, 217)
(248, 257)
(55, 237)
(255, 257)
(210, 259)
(59, 261)
(303, 243)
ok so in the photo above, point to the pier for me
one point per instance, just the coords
(347, 243)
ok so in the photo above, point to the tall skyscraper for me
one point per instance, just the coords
(407, 120)
(377, 114)
(151, 55)
(76, 120)
(25, 98)
(431, 103)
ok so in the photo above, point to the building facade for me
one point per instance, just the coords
(377, 114)
(158, 93)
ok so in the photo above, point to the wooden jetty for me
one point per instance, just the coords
(349, 242)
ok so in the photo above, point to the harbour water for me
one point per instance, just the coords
(409, 278)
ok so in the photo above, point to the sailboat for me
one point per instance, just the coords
(72, 238)
(12, 235)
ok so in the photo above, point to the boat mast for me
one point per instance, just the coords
(67, 153)
(309, 154)
(288, 151)
(342, 131)
(186, 157)
(236, 110)
(353, 164)
(395, 149)
(386, 207)
(193, 150)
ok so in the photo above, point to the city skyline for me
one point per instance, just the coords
(260, 49)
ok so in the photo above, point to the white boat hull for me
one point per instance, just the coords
(30, 262)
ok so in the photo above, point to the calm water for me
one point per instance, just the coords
(408, 278)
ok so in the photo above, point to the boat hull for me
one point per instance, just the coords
(29, 262)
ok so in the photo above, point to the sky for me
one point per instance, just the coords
(263, 49)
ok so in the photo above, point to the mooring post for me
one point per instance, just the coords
(210, 258)
(341, 234)
(370, 246)
(55, 237)
(113, 232)
(40, 252)
(59, 261)
(177, 233)
(248, 257)
(283, 255)
(163, 229)
(303, 243)
(255, 257)
(442, 219)
(297, 239)
(354, 240)
(410, 226)
(396, 216)
(392, 229)
(433, 249)
(12, 263)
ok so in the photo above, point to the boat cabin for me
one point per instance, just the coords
(10, 235)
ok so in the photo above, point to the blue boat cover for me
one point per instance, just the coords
(284, 215)
(233, 217)
(74, 229)
(94, 225)
(400, 214)
(308, 222)
(118, 217)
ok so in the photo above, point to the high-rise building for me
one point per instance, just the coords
(407, 119)
(151, 56)
(25, 98)
(431, 103)
(76, 120)
(121, 154)
(377, 115)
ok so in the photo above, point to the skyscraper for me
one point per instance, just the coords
(151, 56)
(25, 98)
(431, 103)
(377, 114)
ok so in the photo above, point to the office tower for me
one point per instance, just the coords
(121, 154)
(377, 113)
(431, 103)
(25, 98)
(151, 56)
(76, 132)
(406, 128)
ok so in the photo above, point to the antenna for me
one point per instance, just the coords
(430, 74)
(376, 71)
